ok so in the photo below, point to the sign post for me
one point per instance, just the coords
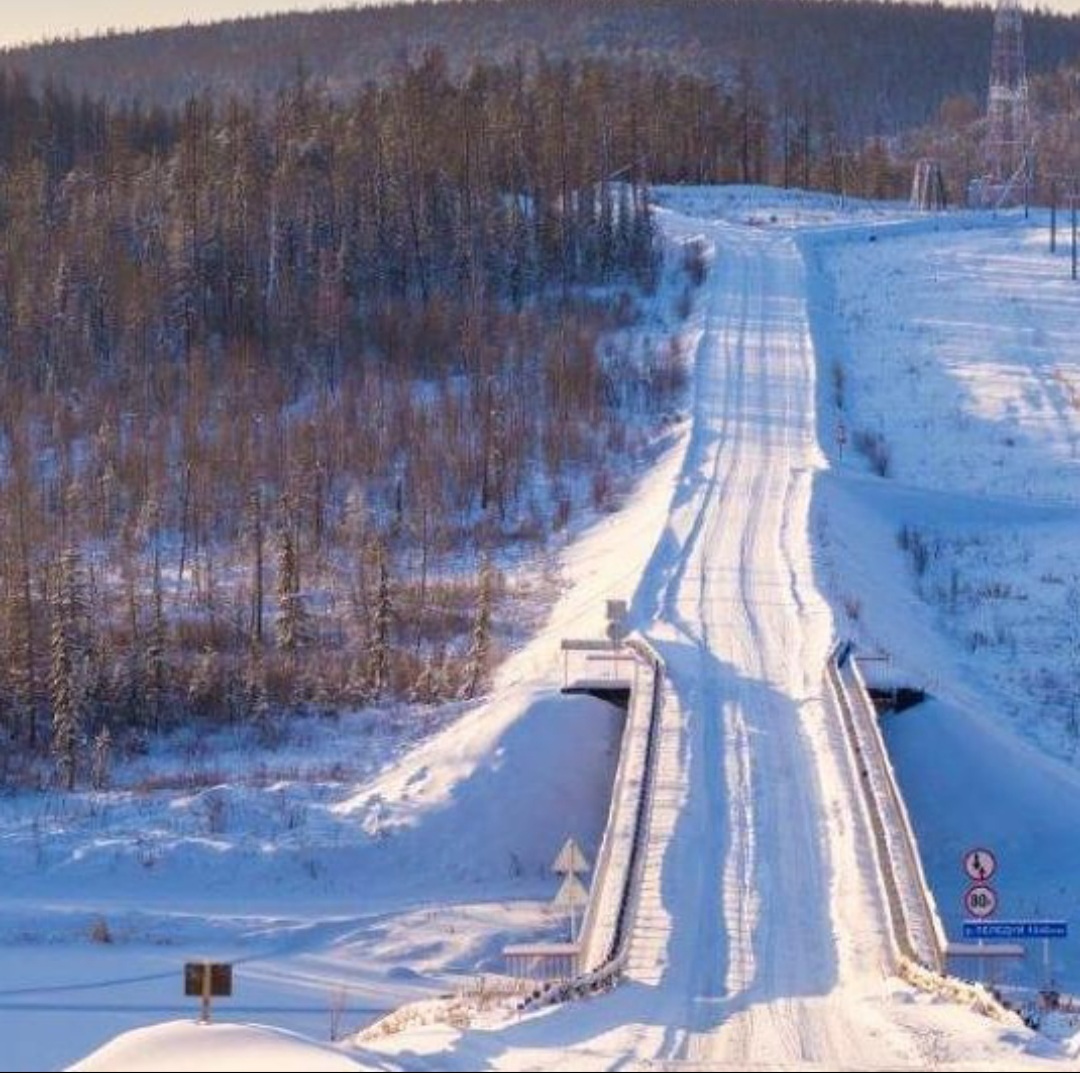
(1020, 929)
(571, 863)
(980, 899)
(571, 894)
(616, 627)
(616, 617)
(205, 980)
(1016, 929)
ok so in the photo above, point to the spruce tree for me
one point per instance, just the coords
(291, 624)
(480, 650)
(378, 661)
(70, 660)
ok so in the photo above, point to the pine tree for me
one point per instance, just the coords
(291, 625)
(154, 660)
(23, 625)
(101, 759)
(480, 650)
(70, 651)
(255, 531)
(378, 662)
(254, 700)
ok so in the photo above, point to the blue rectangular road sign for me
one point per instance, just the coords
(1016, 929)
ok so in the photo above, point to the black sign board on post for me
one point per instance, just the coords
(205, 980)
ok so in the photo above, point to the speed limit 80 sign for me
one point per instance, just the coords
(980, 901)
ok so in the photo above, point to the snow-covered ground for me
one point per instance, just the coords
(219, 1047)
(359, 864)
(379, 861)
(958, 348)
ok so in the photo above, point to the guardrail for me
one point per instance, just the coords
(608, 921)
(915, 926)
(919, 942)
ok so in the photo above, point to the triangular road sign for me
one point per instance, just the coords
(572, 893)
(570, 861)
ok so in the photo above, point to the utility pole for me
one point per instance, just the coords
(1053, 216)
(1072, 205)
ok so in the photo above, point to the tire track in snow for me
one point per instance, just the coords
(744, 593)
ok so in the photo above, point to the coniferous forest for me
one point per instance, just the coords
(886, 65)
(280, 379)
(290, 364)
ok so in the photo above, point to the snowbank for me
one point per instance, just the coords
(183, 1045)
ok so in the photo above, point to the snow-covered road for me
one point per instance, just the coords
(773, 929)
(761, 935)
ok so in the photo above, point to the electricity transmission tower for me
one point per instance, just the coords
(1008, 129)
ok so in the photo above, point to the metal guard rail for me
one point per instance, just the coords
(921, 940)
(614, 961)
(929, 972)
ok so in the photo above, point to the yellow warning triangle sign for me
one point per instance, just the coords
(572, 892)
(570, 861)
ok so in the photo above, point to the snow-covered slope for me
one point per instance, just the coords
(761, 938)
(239, 1048)
(958, 346)
(761, 934)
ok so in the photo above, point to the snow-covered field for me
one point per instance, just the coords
(958, 349)
(381, 859)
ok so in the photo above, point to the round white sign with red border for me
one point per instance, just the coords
(980, 901)
(979, 864)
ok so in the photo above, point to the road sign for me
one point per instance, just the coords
(980, 900)
(570, 860)
(207, 976)
(616, 616)
(572, 893)
(206, 980)
(1016, 929)
(979, 864)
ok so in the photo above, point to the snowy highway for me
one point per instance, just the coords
(786, 932)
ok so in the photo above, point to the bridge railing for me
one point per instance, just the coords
(915, 925)
(609, 916)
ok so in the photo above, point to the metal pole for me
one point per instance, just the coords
(206, 994)
(1072, 202)
(1053, 217)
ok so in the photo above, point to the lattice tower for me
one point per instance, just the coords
(1008, 135)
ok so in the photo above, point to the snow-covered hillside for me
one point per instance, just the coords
(337, 882)
(952, 343)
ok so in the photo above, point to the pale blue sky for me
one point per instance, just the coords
(32, 20)
(24, 21)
